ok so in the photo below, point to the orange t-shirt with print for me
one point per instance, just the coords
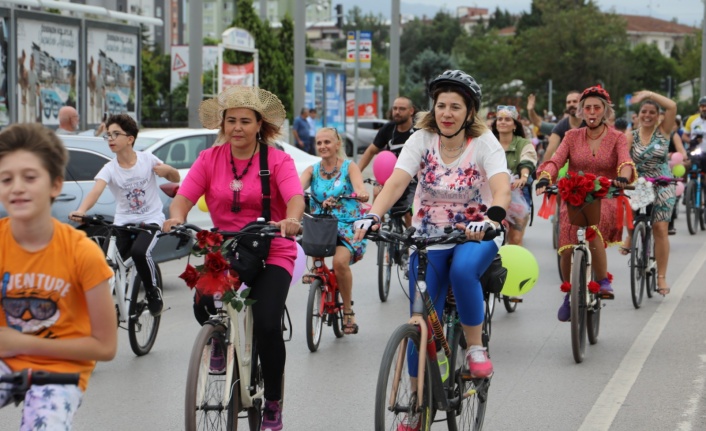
(44, 293)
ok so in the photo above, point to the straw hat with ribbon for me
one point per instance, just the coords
(240, 96)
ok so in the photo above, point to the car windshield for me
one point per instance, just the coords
(142, 143)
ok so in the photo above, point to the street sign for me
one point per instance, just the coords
(365, 48)
(628, 99)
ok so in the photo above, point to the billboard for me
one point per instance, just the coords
(314, 94)
(238, 74)
(111, 67)
(47, 72)
(336, 99)
(4, 52)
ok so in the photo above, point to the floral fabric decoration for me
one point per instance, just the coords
(215, 277)
(578, 188)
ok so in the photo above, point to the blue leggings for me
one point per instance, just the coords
(462, 266)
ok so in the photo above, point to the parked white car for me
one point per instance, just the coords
(180, 148)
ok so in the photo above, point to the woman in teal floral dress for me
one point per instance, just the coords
(332, 177)
(650, 152)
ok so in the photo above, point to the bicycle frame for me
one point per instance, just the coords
(328, 279)
(124, 279)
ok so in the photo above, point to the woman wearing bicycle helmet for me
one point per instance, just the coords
(462, 172)
(601, 150)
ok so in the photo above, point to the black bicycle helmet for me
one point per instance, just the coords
(461, 79)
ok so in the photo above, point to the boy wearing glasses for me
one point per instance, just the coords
(56, 310)
(132, 179)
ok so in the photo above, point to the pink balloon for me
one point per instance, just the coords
(680, 188)
(677, 158)
(383, 166)
(299, 266)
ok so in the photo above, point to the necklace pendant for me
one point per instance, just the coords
(236, 185)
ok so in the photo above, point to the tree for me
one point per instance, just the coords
(425, 67)
(648, 67)
(438, 35)
(576, 47)
(500, 19)
(689, 64)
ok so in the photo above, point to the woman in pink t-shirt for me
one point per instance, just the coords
(228, 176)
(462, 171)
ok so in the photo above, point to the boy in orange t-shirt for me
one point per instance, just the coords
(56, 310)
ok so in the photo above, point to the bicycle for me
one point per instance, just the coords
(213, 401)
(463, 397)
(585, 305)
(695, 195)
(21, 381)
(126, 284)
(643, 266)
(390, 254)
(324, 304)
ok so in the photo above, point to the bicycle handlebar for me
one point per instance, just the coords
(22, 380)
(262, 229)
(99, 220)
(451, 237)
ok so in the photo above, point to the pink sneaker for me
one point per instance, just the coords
(478, 362)
(410, 423)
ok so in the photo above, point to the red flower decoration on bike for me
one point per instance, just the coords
(215, 263)
(577, 188)
(594, 287)
(208, 239)
(190, 276)
(565, 287)
(590, 234)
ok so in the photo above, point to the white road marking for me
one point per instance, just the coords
(613, 396)
(694, 401)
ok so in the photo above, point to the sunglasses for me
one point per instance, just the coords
(510, 108)
(40, 309)
(332, 129)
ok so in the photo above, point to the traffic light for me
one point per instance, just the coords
(339, 15)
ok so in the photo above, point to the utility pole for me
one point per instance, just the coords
(551, 91)
(394, 87)
(702, 83)
(195, 62)
(299, 55)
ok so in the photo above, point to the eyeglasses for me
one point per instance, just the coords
(40, 309)
(113, 135)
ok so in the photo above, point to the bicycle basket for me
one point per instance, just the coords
(493, 279)
(320, 233)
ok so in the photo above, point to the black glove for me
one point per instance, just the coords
(542, 183)
(621, 180)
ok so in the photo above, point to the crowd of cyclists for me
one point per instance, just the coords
(452, 168)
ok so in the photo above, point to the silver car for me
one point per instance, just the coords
(87, 155)
(367, 130)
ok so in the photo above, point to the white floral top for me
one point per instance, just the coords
(457, 192)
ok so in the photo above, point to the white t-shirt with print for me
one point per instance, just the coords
(458, 192)
(135, 190)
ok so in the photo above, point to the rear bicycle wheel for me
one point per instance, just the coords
(578, 305)
(384, 269)
(638, 264)
(314, 315)
(142, 326)
(396, 398)
(337, 318)
(593, 319)
(208, 405)
(692, 211)
(702, 213)
(510, 305)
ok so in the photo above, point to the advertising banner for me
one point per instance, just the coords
(4, 96)
(238, 74)
(46, 69)
(314, 94)
(336, 100)
(111, 65)
(180, 62)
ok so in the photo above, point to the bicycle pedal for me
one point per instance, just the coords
(606, 296)
(516, 300)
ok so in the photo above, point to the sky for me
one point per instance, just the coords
(688, 12)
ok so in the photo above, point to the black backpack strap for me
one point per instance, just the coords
(265, 179)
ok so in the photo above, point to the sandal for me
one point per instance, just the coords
(349, 327)
(664, 291)
(623, 250)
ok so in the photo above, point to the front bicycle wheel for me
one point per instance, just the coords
(650, 266)
(384, 269)
(692, 211)
(638, 264)
(593, 319)
(702, 213)
(337, 318)
(578, 305)
(208, 404)
(510, 305)
(471, 394)
(314, 315)
(257, 384)
(396, 399)
(142, 326)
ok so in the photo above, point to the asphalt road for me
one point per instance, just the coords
(647, 372)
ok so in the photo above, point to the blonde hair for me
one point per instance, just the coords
(341, 153)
